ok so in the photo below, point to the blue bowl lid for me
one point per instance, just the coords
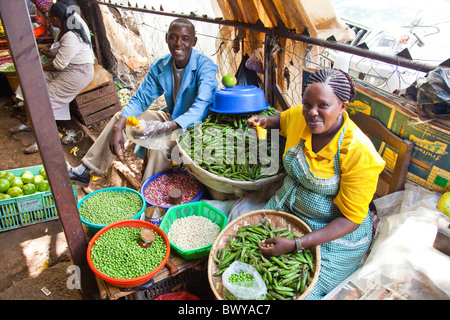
(239, 99)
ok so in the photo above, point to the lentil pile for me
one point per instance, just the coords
(193, 232)
(117, 253)
(107, 207)
(157, 191)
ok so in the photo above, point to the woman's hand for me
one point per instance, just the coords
(48, 66)
(266, 122)
(48, 53)
(257, 120)
(276, 246)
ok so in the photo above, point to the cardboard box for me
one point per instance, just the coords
(430, 166)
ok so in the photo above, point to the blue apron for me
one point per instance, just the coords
(311, 199)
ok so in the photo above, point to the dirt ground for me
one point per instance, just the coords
(36, 258)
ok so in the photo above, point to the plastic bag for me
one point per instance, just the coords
(247, 77)
(256, 61)
(435, 87)
(250, 202)
(403, 258)
(153, 135)
(255, 290)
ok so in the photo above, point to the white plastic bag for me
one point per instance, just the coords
(403, 258)
(152, 134)
(255, 290)
(250, 202)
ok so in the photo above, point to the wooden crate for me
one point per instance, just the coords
(97, 104)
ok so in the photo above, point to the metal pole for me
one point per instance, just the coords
(24, 52)
(291, 34)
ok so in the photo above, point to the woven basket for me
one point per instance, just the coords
(277, 219)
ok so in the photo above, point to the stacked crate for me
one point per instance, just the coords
(96, 104)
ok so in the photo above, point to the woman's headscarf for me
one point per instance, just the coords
(43, 4)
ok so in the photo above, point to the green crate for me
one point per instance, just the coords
(198, 208)
(27, 210)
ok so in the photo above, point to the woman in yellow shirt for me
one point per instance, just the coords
(332, 172)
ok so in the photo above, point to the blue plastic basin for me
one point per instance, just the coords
(94, 227)
(239, 99)
(152, 178)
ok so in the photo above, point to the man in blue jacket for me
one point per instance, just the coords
(186, 77)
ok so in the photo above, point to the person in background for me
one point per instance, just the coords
(49, 49)
(188, 80)
(332, 173)
(43, 6)
(68, 73)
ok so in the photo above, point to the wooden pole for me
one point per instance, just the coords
(24, 52)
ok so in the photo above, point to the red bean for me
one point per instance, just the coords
(157, 191)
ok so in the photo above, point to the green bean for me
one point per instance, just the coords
(226, 124)
(284, 276)
(279, 262)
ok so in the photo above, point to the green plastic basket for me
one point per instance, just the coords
(198, 208)
(30, 209)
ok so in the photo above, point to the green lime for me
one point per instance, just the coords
(4, 185)
(444, 203)
(14, 192)
(42, 186)
(43, 173)
(229, 80)
(9, 176)
(29, 188)
(27, 176)
(2, 173)
(40, 214)
(17, 182)
(37, 179)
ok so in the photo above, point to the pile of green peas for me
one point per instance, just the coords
(241, 277)
(117, 253)
(107, 207)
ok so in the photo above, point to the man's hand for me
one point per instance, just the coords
(117, 141)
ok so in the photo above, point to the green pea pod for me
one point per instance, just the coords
(276, 295)
(228, 259)
(303, 280)
(309, 257)
(278, 262)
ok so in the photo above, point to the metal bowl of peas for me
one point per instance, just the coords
(115, 255)
(108, 205)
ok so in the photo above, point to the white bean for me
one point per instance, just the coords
(193, 232)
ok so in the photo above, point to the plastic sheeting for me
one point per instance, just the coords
(403, 258)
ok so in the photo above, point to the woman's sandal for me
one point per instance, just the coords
(20, 128)
(31, 149)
